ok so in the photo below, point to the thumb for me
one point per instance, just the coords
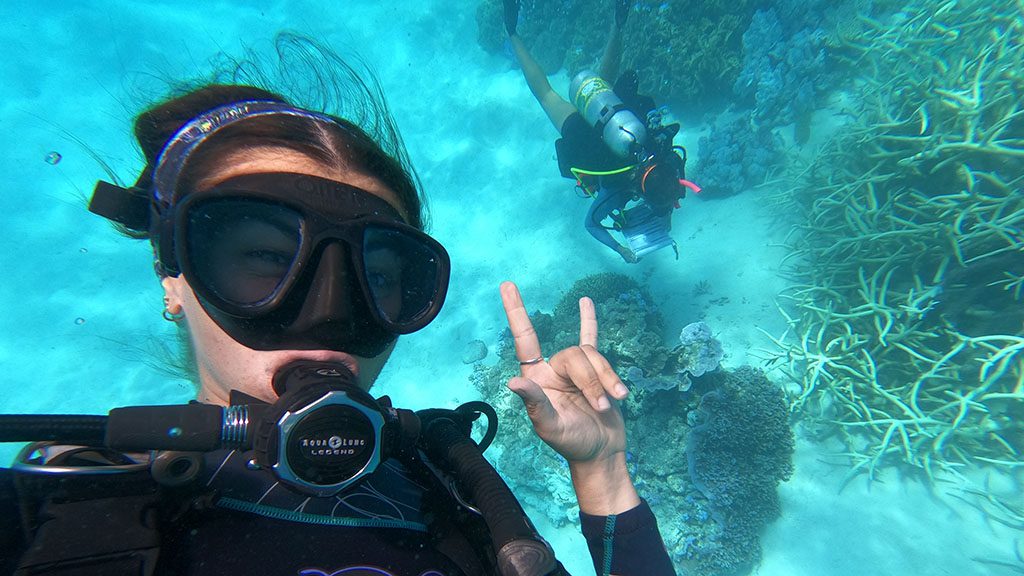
(538, 407)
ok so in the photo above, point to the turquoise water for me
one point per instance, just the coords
(82, 314)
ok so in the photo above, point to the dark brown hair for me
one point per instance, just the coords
(342, 144)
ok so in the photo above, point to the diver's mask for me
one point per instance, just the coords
(299, 262)
(287, 261)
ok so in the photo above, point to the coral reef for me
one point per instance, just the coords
(636, 339)
(698, 351)
(909, 257)
(737, 155)
(687, 52)
(782, 74)
(788, 68)
(739, 451)
(789, 58)
(712, 523)
(548, 27)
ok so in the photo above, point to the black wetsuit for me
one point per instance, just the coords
(384, 526)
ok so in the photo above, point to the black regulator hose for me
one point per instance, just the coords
(519, 548)
(74, 429)
(470, 410)
(191, 427)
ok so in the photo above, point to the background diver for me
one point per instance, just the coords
(613, 144)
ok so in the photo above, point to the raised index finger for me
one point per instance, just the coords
(525, 337)
(588, 322)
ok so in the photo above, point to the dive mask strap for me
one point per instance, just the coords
(126, 206)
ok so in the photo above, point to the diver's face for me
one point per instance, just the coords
(223, 363)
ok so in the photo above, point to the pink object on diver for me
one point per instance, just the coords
(690, 185)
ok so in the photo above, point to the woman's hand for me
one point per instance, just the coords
(569, 401)
(628, 255)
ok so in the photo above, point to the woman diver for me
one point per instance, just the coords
(614, 137)
(289, 244)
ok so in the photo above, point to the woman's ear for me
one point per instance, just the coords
(174, 288)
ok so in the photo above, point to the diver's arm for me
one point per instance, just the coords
(604, 487)
(621, 530)
(627, 544)
(572, 400)
(594, 217)
(607, 201)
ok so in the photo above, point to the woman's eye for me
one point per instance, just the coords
(380, 281)
(267, 258)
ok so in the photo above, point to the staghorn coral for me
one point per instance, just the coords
(909, 257)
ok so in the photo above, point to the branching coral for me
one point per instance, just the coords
(908, 323)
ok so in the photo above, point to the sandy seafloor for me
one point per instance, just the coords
(81, 305)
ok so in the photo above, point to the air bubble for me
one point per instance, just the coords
(79, 321)
(53, 158)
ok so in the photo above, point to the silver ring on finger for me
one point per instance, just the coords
(536, 360)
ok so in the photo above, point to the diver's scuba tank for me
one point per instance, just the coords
(621, 130)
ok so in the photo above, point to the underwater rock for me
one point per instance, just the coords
(475, 351)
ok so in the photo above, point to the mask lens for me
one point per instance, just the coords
(242, 250)
(402, 274)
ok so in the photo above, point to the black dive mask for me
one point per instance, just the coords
(292, 261)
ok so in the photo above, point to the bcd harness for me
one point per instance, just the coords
(96, 511)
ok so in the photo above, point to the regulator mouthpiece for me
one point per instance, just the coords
(324, 433)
